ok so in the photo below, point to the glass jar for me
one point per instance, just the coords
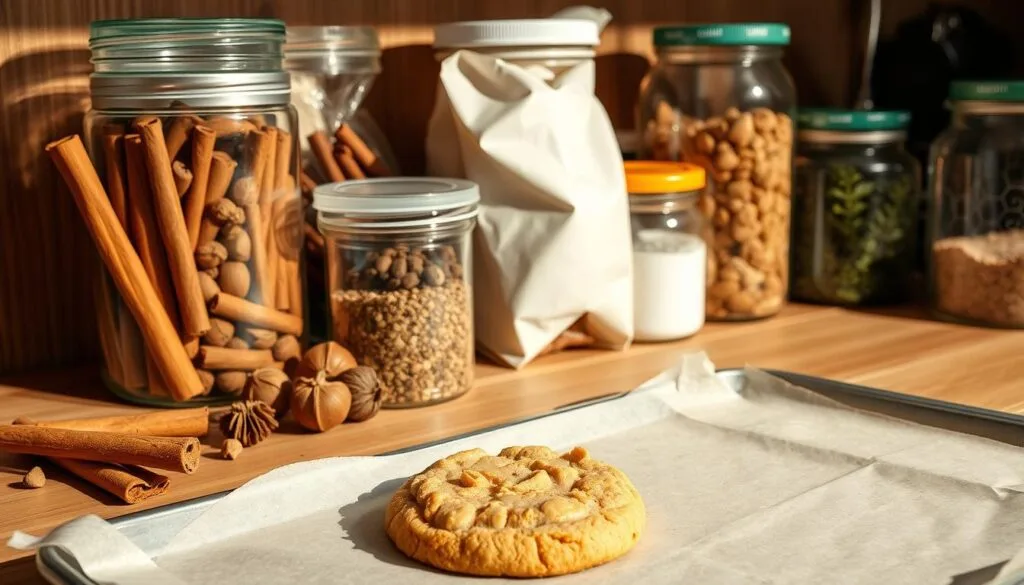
(720, 97)
(854, 208)
(399, 277)
(215, 216)
(976, 215)
(669, 252)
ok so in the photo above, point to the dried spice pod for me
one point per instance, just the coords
(234, 278)
(270, 386)
(319, 404)
(249, 422)
(287, 348)
(362, 382)
(211, 255)
(330, 358)
(237, 242)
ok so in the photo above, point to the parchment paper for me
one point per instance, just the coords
(777, 486)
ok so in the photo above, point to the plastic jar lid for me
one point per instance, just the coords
(852, 120)
(750, 33)
(394, 202)
(540, 32)
(988, 91)
(657, 178)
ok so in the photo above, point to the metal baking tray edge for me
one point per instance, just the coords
(59, 568)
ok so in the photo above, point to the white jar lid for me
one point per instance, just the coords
(544, 32)
(403, 200)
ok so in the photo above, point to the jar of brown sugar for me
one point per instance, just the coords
(399, 277)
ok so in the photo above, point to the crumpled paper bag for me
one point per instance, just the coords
(552, 246)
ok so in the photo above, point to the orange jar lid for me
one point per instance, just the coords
(649, 177)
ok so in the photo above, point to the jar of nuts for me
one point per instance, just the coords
(192, 133)
(976, 215)
(720, 97)
(855, 207)
(399, 281)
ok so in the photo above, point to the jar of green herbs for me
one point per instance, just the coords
(855, 194)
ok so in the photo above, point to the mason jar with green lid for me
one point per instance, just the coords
(719, 96)
(214, 215)
(976, 209)
(854, 207)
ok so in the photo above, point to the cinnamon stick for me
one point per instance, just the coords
(295, 300)
(172, 453)
(202, 158)
(283, 161)
(321, 148)
(177, 133)
(195, 322)
(348, 163)
(269, 177)
(224, 126)
(130, 483)
(222, 169)
(212, 357)
(238, 309)
(113, 157)
(182, 177)
(366, 157)
(186, 422)
(307, 185)
(279, 268)
(259, 147)
(124, 265)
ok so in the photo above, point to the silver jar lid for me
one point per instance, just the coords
(200, 62)
(332, 50)
(396, 202)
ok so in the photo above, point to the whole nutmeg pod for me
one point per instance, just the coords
(270, 386)
(230, 381)
(330, 358)
(258, 338)
(208, 285)
(235, 278)
(237, 241)
(211, 255)
(220, 332)
(319, 404)
(366, 393)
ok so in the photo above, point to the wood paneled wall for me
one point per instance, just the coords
(46, 258)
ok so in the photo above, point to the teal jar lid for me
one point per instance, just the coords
(851, 120)
(746, 33)
(989, 91)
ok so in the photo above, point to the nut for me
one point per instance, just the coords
(287, 348)
(237, 343)
(244, 192)
(237, 242)
(230, 381)
(34, 479)
(319, 404)
(211, 255)
(208, 379)
(270, 386)
(231, 449)
(211, 272)
(330, 358)
(258, 338)
(366, 394)
(208, 285)
(234, 278)
(224, 212)
(220, 332)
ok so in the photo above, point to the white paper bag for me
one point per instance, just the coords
(552, 244)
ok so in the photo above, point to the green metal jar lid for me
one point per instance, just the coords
(101, 31)
(852, 120)
(989, 91)
(747, 33)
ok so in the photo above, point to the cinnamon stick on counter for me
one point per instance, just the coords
(187, 422)
(113, 158)
(130, 483)
(234, 308)
(212, 357)
(194, 320)
(124, 265)
(172, 453)
(321, 148)
(366, 157)
(203, 140)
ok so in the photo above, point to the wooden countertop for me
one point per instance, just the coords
(898, 350)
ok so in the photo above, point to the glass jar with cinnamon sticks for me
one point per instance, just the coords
(195, 141)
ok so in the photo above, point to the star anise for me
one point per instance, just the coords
(249, 421)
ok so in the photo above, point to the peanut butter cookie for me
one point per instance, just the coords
(525, 513)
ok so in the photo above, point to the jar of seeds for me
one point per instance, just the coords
(398, 255)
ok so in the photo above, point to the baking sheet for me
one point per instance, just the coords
(776, 486)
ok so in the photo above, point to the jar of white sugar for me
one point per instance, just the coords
(669, 251)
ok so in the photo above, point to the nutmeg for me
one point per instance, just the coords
(287, 348)
(319, 404)
(244, 192)
(235, 278)
(220, 332)
(224, 211)
(211, 255)
(237, 343)
(208, 285)
(364, 386)
(213, 273)
(207, 378)
(258, 338)
(237, 241)
(230, 381)
(330, 358)
(270, 386)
